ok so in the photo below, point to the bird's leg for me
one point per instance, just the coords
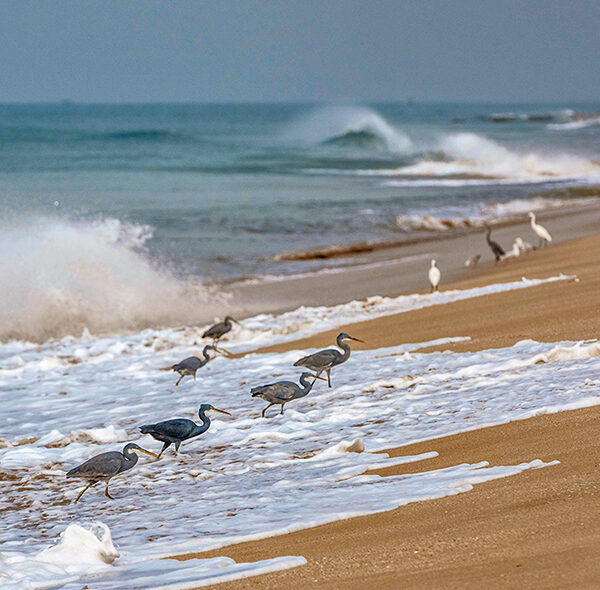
(263, 412)
(329, 377)
(194, 375)
(89, 485)
(165, 446)
(177, 446)
(179, 380)
(106, 491)
(281, 413)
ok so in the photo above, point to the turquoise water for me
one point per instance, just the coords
(216, 190)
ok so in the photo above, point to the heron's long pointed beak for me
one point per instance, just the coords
(221, 411)
(357, 339)
(224, 351)
(319, 378)
(147, 452)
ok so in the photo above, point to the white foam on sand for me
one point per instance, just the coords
(83, 559)
(213, 493)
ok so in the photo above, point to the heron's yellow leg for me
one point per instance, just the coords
(81, 492)
(106, 492)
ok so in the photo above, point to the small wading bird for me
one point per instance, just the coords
(496, 248)
(325, 360)
(106, 465)
(179, 429)
(190, 365)
(283, 392)
(523, 246)
(540, 230)
(434, 276)
(219, 330)
(472, 261)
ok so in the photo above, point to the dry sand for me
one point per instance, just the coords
(540, 529)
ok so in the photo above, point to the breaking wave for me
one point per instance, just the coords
(60, 277)
(490, 214)
(349, 127)
(472, 155)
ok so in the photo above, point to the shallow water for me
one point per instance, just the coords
(66, 403)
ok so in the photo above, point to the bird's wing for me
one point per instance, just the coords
(176, 428)
(323, 358)
(216, 330)
(101, 465)
(192, 363)
(282, 390)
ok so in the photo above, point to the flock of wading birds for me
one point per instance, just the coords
(105, 466)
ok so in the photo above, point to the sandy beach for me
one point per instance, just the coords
(399, 268)
(536, 530)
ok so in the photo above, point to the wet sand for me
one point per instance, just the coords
(401, 269)
(539, 529)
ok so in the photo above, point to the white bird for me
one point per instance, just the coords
(513, 252)
(434, 276)
(472, 261)
(540, 230)
(523, 245)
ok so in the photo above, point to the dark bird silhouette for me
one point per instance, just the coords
(325, 360)
(219, 330)
(283, 392)
(496, 248)
(105, 466)
(177, 430)
(190, 365)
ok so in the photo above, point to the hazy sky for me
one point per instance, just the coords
(299, 50)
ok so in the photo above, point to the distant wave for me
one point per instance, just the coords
(357, 139)
(489, 215)
(143, 134)
(469, 158)
(60, 277)
(347, 127)
(42, 134)
(577, 124)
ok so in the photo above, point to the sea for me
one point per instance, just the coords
(106, 210)
(122, 227)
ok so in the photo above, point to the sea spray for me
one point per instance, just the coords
(60, 277)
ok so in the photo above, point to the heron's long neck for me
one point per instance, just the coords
(131, 459)
(487, 236)
(346, 348)
(205, 423)
(306, 386)
(206, 356)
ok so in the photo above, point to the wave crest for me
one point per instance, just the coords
(349, 127)
(60, 277)
(475, 156)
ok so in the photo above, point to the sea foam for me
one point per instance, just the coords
(60, 277)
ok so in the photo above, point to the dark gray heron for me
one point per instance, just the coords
(325, 360)
(283, 392)
(496, 248)
(106, 465)
(179, 429)
(190, 365)
(219, 330)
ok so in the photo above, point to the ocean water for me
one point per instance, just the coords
(108, 206)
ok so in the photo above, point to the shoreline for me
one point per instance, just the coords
(396, 270)
(385, 549)
(504, 533)
(450, 230)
